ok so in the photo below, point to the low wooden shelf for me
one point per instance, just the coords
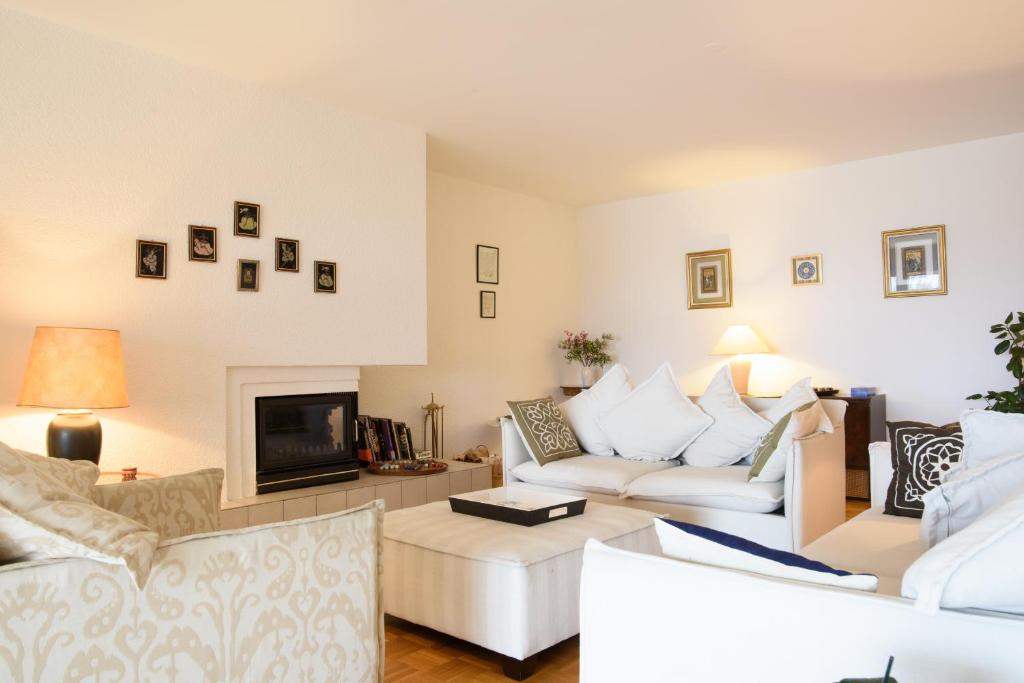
(461, 477)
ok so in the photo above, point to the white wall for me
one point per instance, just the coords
(926, 353)
(475, 365)
(102, 144)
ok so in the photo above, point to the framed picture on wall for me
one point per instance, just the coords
(248, 275)
(247, 219)
(709, 279)
(807, 270)
(286, 255)
(488, 304)
(486, 264)
(914, 261)
(325, 277)
(151, 259)
(202, 243)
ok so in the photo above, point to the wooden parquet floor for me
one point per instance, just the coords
(414, 654)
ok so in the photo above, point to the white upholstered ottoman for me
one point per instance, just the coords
(511, 589)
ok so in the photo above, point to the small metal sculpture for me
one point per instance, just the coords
(434, 416)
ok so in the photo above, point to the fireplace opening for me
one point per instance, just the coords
(305, 440)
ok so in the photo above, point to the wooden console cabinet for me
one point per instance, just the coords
(865, 423)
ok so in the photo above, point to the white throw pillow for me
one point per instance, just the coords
(967, 494)
(979, 567)
(989, 435)
(773, 453)
(582, 409)
(736, 429)
(656, 421)
(699, 544)
(797, 395)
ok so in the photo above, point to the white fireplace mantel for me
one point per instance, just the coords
(244, 385)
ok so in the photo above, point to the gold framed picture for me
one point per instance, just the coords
(247, 219)
(248, 275)
(709, 279)
(286, 255)
(151, 259)
(807, 270)
(914, 261)
(202, 243)
(325, 277)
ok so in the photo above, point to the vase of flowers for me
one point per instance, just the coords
(590, 352)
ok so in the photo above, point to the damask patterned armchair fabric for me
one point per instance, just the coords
(292, 601)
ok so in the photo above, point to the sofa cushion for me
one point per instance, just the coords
(873, 542)
(967, 494)
(736, 430)
(773, 453)
(921, 455)
(582, 409)
(544, 431)
(989, 435)
(694, 543)
(979, 567)
(595, 473)
(174, 506)
(43, 518)
(656, 421)
(725, 488)
(797, 395)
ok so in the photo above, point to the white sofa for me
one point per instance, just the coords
(690, 622)
(298, 600)
(786, 515)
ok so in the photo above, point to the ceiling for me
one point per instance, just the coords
(586, 101)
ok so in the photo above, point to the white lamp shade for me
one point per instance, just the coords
(739, 339)
(74, 367)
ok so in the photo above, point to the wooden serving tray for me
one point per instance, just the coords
(428, 467)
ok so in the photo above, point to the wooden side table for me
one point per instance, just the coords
(112, 477)
(865, 423)
(572, 391)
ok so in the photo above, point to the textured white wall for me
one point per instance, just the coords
(926, 353)
(475, 364)
(102, 144)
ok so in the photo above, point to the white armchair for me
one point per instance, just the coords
(298, 600)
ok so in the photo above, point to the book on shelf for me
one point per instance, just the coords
(363, 452)
(404, 447)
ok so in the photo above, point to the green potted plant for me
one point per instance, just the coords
(590, 352)
(1010, 340)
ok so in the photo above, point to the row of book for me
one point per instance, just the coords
(382, 440)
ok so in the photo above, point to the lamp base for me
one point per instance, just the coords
(740, 373)
(74, 436)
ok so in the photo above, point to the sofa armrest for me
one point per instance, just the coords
(880, 462)
(286, 601)
(815, 486)
(174, 506)
(690, 617)
(513, 450)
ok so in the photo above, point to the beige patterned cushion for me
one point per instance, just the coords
(78, 475)
(174, 506)
(43, 517)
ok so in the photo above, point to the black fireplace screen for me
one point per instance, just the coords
(307, 431)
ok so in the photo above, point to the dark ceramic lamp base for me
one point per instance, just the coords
(74, 436)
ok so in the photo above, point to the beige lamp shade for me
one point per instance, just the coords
(74, 367)
(739, 339)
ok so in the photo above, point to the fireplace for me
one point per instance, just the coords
(305, 440)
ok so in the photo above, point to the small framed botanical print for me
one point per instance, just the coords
(914, 261)
(486, 264)
(807, 270)
(247, 219)
(286, 255)
(202, 243)
(248, 275)
(325, 276)
(488, 304)
(151, 259)
(709, 279)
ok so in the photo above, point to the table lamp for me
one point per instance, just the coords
(739, 341)
(76, 370)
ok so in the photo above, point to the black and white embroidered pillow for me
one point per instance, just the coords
(921, 454)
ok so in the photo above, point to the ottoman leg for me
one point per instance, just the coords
(519, 669)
